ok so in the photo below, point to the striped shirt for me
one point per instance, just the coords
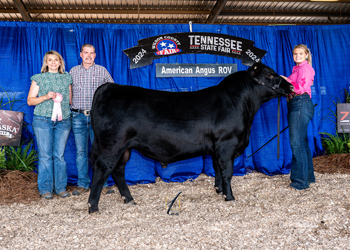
(85, 83)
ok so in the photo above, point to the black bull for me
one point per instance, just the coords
(173, 126)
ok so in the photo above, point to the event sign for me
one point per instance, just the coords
(343, 117)
(10, 127)
(164, 45)
(194, 70)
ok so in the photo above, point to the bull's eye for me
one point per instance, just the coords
(269, 75)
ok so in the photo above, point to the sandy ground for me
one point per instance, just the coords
(266, 215)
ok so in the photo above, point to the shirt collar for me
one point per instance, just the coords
(301, 64)
(89, 67)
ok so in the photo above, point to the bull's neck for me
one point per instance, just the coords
(263, 94)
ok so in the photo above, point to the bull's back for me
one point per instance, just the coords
(114, 99)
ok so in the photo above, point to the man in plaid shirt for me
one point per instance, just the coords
(87, 77)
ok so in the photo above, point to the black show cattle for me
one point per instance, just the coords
(173, 126)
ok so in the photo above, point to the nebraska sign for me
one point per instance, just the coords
(10, 127)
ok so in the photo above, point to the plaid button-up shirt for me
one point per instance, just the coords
(85, 83)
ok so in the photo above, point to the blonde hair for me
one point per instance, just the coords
(306, 50)
(45, 68)
(87, 45)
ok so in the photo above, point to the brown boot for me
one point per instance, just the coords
(107, 190)
(79, 191)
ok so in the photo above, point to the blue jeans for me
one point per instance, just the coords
(82, 132)
(300, 112)
(51, 138)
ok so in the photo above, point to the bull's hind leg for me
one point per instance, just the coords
(218, 178)
(103, 167)
(118, 175)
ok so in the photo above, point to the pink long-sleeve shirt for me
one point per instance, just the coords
(302, 78)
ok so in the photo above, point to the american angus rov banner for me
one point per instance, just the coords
(160, 46)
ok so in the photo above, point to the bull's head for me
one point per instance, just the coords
(266, 76)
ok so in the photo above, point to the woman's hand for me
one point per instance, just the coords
(50, 95)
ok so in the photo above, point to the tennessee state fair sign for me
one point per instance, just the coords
(164, 45)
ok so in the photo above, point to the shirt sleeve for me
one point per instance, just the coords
(69, 78)
(304, 79)
(108, 77)
(37, 79)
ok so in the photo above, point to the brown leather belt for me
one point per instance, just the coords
(291, 96)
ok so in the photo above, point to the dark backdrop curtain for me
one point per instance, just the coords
(24, 44)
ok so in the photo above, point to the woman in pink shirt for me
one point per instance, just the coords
(300, 112)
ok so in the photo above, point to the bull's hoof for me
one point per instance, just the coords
(218, 190)
(92, 210)
(230, 199)
(94, 213)
(132, 202)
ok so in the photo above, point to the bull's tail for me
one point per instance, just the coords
(93, 154)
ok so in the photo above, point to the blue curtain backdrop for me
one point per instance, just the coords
(24, 44)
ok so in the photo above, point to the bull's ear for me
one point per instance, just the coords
(255, 69)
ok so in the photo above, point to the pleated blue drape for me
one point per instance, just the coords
(24, 44)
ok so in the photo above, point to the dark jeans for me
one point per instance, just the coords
(300, 112)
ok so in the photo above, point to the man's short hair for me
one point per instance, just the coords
(87, 45)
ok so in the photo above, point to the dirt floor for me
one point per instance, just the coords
(21, 187)
(266, 214)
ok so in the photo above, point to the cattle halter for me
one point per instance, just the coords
(274, 87)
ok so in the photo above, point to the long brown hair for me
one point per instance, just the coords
(45, 68)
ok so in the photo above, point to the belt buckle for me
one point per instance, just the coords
(86, 112)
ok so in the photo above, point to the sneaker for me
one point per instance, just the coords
(107, 190)
(80, 190)
(63, 194)
(47, 196)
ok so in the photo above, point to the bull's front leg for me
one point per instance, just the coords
(102, 169)
(226, 174)
(218, 178)
(225, 161)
